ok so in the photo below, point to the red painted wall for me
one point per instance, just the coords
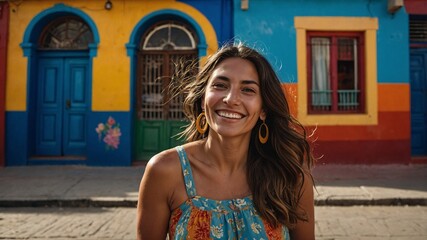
(416, 6)
(4, 25)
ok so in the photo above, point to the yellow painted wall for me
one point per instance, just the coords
(111, 67)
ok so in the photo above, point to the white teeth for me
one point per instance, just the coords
(229, 115)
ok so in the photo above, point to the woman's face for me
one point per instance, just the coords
(232, 101)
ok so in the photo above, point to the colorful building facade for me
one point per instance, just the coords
(85, 82)
(345, 69)
(86, 78)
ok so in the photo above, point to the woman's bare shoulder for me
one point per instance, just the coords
(161, 176)
(164, 163)
(166, 166)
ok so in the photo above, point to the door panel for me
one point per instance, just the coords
(419, 101)
(62, 103)
(154, 136)
(49, 110)
(49, 130)
(174, 129)
(152, 140)
(76, 105)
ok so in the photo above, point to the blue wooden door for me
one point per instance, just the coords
(62, 103)
(419, 101)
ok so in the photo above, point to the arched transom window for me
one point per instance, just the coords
(169, 36)
(66, 33)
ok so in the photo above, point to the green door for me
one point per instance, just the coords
(159, 120)
(154, 136)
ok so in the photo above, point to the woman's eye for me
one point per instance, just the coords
(219, 86)
(248, 90)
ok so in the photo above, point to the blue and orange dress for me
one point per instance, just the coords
(203, 218)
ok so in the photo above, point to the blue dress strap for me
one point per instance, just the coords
(186, 172)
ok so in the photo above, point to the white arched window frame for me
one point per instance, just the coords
(164, 37)
(66, 33)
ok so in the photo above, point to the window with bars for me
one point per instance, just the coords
(166, 49)
(335, 72)
(418, 30)
(66, 33)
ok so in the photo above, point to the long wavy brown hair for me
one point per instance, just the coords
(276, 169)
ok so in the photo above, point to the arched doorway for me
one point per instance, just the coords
(159, 120)
(61, 89)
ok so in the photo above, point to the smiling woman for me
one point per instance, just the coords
(231, 179)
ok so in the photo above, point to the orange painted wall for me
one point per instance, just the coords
(291, 94)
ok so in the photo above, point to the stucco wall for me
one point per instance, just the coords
(382, 133)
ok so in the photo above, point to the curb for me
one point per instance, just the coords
(87, 203)
(372, 202)
(77, 203)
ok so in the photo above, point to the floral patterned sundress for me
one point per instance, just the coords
(203, 218)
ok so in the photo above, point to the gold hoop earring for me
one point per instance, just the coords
(201, 129)
(261, 138)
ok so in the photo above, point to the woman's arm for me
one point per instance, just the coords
(153, 209)
(304, 230)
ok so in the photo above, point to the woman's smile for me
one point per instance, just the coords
(230, 115)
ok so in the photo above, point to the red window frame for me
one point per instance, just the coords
(333, 36)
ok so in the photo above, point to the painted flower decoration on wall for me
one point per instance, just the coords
(110, 133)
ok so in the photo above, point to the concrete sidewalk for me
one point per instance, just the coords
(82, 186)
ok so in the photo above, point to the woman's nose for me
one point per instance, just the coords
(232, 97)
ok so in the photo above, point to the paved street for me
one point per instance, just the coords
(373, 223)
(102, 202)
(332, 223)
(70, 186)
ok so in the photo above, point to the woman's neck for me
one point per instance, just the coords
(227, 154)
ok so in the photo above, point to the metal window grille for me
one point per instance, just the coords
(321, 100)
(418, 30)
(178, 63)
(348, 100)
(151, 87)
(66, 33)
(154, 102)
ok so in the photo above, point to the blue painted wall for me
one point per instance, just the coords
(98, 152)
(219, 13)
(269, 26)
(16, 138)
